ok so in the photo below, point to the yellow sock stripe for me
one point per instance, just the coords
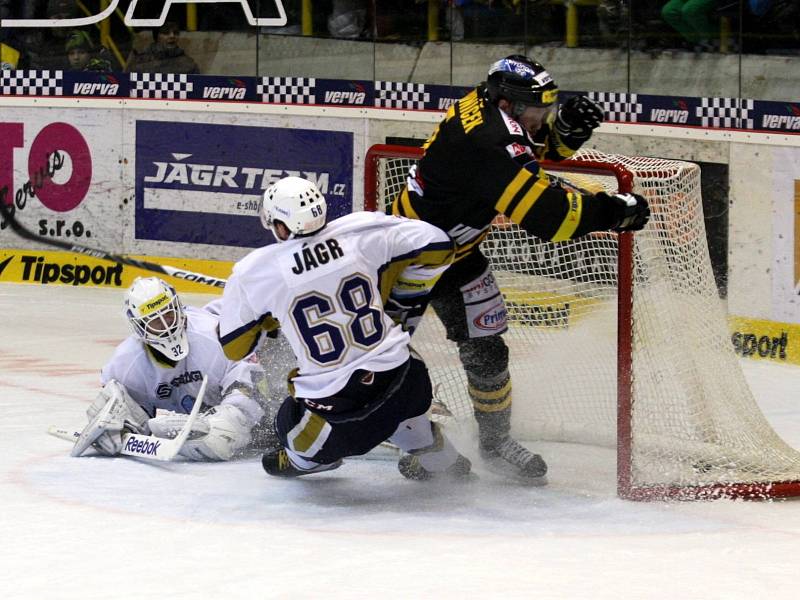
(572, 218)
(494, 401)
(488, 408)
(512, 189)
(309, 434)
(529, 200)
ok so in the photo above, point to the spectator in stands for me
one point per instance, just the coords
(79, 49)
(691, 19)
(46, 46)
(348, 19)
(612, 20)
(163, 55)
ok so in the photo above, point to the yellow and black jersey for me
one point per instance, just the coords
(480, 162)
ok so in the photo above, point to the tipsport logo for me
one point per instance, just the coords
(131, 21)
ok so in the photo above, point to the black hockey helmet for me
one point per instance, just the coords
(518, 78)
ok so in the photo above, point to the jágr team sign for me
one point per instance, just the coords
(136, 17)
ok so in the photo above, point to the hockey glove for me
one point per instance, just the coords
(577, 117)
(630, 212)
(407, 313)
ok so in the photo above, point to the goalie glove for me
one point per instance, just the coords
(577, 117)
(217, 434)
(112, 413)
(630, 212)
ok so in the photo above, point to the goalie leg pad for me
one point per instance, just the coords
(112, 412)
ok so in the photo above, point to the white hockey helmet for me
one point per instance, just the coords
(297, 203)
(156, 316)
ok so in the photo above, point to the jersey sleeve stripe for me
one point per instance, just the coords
(572, 218)
(528, 200)
(462, 251)
(433, 256)
(308, 436)
(402, 206)
(512, 189)
(242, 341)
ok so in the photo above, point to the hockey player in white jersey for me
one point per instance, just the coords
(161, 366)
(346, 295)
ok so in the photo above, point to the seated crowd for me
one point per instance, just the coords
(768, 26)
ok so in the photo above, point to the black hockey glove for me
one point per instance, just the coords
(630, 212)
(577, 117)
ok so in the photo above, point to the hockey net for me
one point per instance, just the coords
(665, 387)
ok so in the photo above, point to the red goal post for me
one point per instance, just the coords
(618, 340)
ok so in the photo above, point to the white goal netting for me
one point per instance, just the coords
(694, 423)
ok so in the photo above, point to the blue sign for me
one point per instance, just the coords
(201, 183)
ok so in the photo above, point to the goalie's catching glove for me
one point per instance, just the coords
(629, 212)
(217, 434)
(577, 117)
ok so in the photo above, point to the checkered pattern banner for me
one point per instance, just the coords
(391, 94)
(32, 83)
(170, 86)
(287, 90)
(617, 107)
(725, 112)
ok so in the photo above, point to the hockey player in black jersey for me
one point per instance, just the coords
(481, 161)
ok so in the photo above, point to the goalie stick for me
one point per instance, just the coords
(148, 446)
(27, 234)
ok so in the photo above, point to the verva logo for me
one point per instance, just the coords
(103, 89)
(130, 21)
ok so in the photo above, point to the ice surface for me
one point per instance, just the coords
(112, 528)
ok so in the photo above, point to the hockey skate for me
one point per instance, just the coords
(410, 467)
(509, 457)
(505, 455)
(276, 463)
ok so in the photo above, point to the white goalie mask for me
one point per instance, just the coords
(157, 317)
(297, 203)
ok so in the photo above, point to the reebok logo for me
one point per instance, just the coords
(143, 447)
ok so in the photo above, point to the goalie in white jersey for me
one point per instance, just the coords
(346, 296)
(161, 366)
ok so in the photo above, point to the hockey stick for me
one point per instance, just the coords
(148, 446)
(27, 234)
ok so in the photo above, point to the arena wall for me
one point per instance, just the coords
(179, 181)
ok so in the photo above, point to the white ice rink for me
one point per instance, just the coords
(119, 528)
